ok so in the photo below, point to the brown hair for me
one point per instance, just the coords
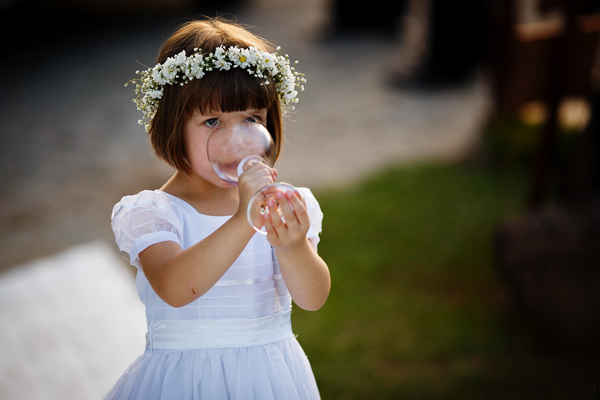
(225, 91)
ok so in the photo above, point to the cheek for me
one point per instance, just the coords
(197, 156)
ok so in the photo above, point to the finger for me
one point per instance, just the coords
(286, 208)
(274, 210)
(297, 203)
(257, 168)
(256, 178)
(269, 225)
(273, 222)
(263, 167)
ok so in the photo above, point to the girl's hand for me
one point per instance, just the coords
(293, 231)
(252, 180)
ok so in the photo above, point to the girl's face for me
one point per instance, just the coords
(197, 130)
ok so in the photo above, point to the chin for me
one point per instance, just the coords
(218, 182)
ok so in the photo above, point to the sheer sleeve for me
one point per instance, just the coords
(144, 219)
(314, 213)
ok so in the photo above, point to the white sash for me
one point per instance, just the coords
(218, 333)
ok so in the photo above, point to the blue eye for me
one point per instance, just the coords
(211, 123)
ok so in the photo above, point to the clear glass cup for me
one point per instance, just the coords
(232, 150)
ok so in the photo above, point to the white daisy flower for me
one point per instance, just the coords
(181, 69)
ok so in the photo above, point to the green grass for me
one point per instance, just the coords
(416, 310)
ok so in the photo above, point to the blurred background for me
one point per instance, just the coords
(453, 147)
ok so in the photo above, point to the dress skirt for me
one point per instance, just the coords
(221, 369)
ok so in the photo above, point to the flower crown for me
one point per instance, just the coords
(182, 69)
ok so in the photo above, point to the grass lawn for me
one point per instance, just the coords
(416, 310)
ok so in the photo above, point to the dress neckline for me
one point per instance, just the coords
(188, 205)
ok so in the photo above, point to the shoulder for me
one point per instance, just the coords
(148, 202)
(148, 206)
(144, 199)
(312, 205)
(143, 219)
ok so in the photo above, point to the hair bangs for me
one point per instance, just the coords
(231, 91)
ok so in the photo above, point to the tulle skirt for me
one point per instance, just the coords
(277, 371)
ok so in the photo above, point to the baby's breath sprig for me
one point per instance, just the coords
(181, 69)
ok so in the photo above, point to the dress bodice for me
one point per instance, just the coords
(252, 287)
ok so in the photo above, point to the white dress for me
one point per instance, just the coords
(235, 341)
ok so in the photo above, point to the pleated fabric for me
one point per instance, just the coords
(278, 371)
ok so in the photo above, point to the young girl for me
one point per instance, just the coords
(217, 294)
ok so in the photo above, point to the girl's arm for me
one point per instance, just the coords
(181, 276)
(305, 273)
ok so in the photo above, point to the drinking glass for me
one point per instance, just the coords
(232, 150)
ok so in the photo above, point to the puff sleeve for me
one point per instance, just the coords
(144, 219)
(314, 213)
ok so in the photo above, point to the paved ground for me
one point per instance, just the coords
(71, 324)
(70, 148)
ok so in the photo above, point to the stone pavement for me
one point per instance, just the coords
(71, 324)
(71, 148)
